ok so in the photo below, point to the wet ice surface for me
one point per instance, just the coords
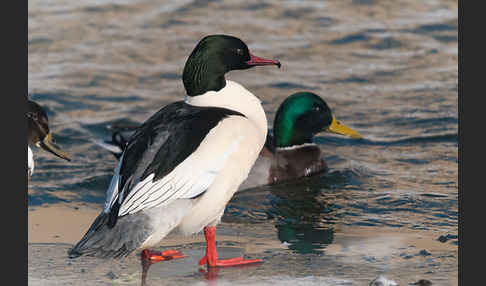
(389, 69)
(354, 257)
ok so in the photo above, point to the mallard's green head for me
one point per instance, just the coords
(301, 116)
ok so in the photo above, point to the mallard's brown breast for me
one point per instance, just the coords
(293, 163)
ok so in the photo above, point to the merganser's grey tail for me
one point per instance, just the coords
(129, 233)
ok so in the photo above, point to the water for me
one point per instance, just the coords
(389, 69)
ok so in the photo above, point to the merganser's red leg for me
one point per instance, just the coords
(149, 257)
(211, 257)
(157, 256)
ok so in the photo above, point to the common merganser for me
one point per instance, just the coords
(182, 166)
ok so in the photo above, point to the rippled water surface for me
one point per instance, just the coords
(389, 69)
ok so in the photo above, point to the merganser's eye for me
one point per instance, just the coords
(239, 52)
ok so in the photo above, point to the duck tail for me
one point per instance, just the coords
(112, 241)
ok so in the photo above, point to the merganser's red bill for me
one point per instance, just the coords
(257, 61)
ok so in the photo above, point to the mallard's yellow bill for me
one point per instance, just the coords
(49, 146)
(339, 128)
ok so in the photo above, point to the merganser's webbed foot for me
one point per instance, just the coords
(211, 257)
(157, 256)
(228, 262)
(149, 257)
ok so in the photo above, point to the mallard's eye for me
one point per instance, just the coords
(316, 108)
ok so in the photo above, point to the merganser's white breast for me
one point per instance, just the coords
(235, 97)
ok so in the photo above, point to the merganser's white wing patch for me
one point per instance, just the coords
(188, 180)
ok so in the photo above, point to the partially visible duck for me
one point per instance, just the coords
(290, 153)
(181, 167)
(120, 133)
(39, 135)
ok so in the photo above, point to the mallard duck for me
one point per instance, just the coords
(39, 135)
(290, 152)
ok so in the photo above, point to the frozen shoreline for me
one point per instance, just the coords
(356, 255)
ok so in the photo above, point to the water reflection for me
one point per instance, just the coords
(212, 274)
(306, 238)
(303, 211)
